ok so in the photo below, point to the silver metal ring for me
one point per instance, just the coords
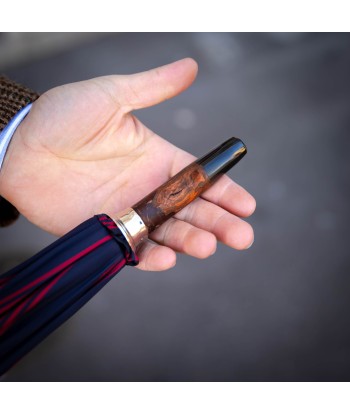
(132, 227)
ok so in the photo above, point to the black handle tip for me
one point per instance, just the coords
(223, 158)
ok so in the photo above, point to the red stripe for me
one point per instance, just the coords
(43, 292)
(19, 308)
(111, 271)
(108, 222)
(9, 321)
(56, 269)
(10, 305)
(4, 281)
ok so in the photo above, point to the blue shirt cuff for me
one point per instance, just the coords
(7, 133)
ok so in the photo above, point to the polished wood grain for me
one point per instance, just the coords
(172, 196)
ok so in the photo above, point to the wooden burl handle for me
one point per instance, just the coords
(189, 183)
(172, 196)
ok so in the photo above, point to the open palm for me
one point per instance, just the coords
(81, 151)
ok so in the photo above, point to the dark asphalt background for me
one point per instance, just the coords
(279, 311)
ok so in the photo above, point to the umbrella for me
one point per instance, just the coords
(40, 294)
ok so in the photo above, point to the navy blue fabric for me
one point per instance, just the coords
(81, 282)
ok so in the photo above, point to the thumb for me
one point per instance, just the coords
(148, 88)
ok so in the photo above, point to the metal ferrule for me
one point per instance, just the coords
(132, 227)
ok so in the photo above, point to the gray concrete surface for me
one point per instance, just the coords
(277, 312)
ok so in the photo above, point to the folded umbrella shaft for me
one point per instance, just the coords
(40, 294)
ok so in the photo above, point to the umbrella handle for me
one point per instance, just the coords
(172, 196)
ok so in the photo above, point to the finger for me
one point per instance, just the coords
(227, 228)
(186, 238)
(154, 257)
(225, 192)
(231, 197)
(148, 88)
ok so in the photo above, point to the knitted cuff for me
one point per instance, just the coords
(13, 97)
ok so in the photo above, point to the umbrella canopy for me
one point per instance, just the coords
(40, 294)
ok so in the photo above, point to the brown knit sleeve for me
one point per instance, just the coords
(13, 97)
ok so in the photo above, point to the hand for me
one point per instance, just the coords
(81, 151)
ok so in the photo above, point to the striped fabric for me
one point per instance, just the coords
(39, 295)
